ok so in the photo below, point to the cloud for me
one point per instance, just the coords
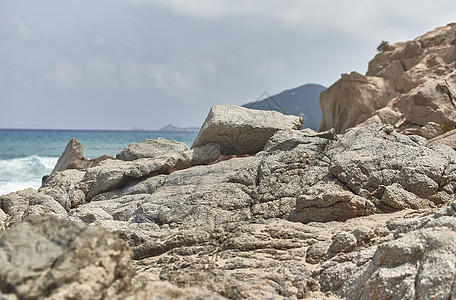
(21, 28)
(101, 73)
(65, 74)
(369, 19)
(165, 78)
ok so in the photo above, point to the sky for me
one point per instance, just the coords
(119, 64)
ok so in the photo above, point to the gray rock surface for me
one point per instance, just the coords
(448, 139)
(305, 216)
(239, 130)
(73, 158)
(151, 149)
(46, 257)
(417, 264)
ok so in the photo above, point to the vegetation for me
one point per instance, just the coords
(446, 127)
(383, 46)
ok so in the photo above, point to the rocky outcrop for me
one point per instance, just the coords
(73, 158)
(310, 215)
(417, 264)
(240, 130)
(352, 100)
(414, 79)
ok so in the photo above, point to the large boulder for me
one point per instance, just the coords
(415, 79)
(352, 100)
(45, 257)
(239, 130)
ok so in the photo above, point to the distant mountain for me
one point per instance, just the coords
(301, 101)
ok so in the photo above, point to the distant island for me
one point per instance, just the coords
(170, 128)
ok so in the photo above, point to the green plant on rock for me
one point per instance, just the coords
(383, 46)
(446, 127)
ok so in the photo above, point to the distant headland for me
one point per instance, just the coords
(170, 128)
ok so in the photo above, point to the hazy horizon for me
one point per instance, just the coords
(120, 64)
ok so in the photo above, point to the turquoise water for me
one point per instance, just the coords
(27, 155)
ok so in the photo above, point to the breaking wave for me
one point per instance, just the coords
(21, 173)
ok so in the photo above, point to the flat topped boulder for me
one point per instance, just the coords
(240, 130)
(151, 149)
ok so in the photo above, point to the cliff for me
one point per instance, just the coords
(410, 85)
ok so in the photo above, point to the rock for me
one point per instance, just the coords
(151, 149)
(330, 201)
(352, 100)
(316, 252)
(240, 130)
(285, 140)
(24, 203)
(363, 234)
(3, 217)
(368, 167)
(165, 290)
(72, 153)
(448, 139)
(310, 215)
(342, 241)
(116, 174)
(396, 197)
(413, 81)
(73, 158)
(45, 257)
(415, 265)
(67, 188)
(432, 101)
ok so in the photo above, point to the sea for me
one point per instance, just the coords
(26, 155)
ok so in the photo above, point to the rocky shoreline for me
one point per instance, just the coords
(367, 214)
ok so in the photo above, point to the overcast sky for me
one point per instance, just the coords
(119, 64)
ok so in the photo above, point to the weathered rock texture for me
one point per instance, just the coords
(239, 130)
(414, 81)
(73, 158)
(312, 215)
(45, 257)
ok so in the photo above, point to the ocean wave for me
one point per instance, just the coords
(21, 173)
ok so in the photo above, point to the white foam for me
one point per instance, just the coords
(21, 173)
